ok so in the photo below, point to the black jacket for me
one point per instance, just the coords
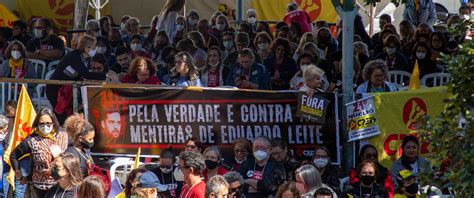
(377, 191)
(73, 67)
(273, 176)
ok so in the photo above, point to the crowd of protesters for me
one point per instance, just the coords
(191, 51)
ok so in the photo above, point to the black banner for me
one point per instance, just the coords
(157, 118)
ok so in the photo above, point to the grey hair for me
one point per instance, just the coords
(310, 176)
(250, 11)
(216, 184)
(265, 139)
(92, 23)
(233, 176)
(3, 121)
(215, 149)
(193, 160)
(371, 66)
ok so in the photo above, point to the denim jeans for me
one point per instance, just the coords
(19, 188)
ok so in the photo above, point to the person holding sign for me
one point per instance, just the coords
(312, 78)
(375, 74)
(262, 175)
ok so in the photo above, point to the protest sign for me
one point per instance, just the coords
(158, 118)
(312, 107)
(361, 120)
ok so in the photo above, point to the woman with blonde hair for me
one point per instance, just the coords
(142, 71)
(81, 135)
(92, 187)
(184, 73)
(67, 174)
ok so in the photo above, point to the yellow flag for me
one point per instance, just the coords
(137, 159)
(25, 115)
(276, 9)
(415, 77)
(121, 195)
(6, 17)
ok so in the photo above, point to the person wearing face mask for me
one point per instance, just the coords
(221, 26)
(214, 73)
(191, 165)
(262, 175)
(242, 151)
(392, 56)
(44, 144)
(329, 173)
(213, 160)
(368, 153)
(252, 18)
(192, 17)
(81, 133)
(227, 46)
(17, 65)
(410, 160)
(164, 170)
(136, 47)
(367, 186)
(72, 67)
(67, 174)
(45, 46)
(262, 42)
(422, 54)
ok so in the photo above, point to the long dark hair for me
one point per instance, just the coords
(382, 171)
(50, 113)
(172, 5)
(405, 161)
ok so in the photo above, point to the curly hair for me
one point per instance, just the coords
(281, 42)
(76, 126)
(141, 63)
(371, 66)
(193, 160)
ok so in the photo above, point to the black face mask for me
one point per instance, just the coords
(412, 189)
(211, 164)
(87, 145)
(367, 180)
(55, 173)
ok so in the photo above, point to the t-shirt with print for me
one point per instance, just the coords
(213, 79)
(53, 42)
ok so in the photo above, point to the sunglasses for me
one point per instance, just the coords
(48, 124)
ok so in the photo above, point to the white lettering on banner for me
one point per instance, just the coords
(229, 132)
(166, 133)
(305, 134)
(185, 113)
(140, 112)
(206, 134)
(266, 113)
(312, 102)
(230, 113)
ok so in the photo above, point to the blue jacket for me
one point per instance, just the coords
(258, 75)
(427, 12)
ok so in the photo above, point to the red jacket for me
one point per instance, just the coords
(153, 80)
(301, 17)
(388, 183)
(220, 171)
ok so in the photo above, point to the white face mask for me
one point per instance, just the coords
(214, 65)
(391, 50)
(303, 67)
(101, 50)
(2, 137)
(320, 162)
(228, 44)
(122, 25)
(465, 17)
(136, 47)
(179, 27)
(191, 22)
(92, 52)
(178, 175)
(38, 33)
(263, 46)
(238, 161)
(260, 155)
(220, 27)
(16, 54)
(166, 170)
(420, 55)
(252, 20)
(45, 130)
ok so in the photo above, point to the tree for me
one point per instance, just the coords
(451, 134)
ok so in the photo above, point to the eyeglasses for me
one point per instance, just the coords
(240, 151)
(48, 124)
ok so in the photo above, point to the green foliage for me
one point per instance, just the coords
(451, 142)
(374, 2)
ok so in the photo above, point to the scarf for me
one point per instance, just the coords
(15, 65)
(50, 135)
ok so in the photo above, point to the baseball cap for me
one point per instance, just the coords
(150, 180)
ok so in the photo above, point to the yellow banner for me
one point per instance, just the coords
(6, 17)
(25, 115)
(276, 9)
(60, 12)
(398, 114)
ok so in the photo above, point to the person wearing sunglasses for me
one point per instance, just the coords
(44, 144)
(164, 172)
(369, 153)
(236, 182)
